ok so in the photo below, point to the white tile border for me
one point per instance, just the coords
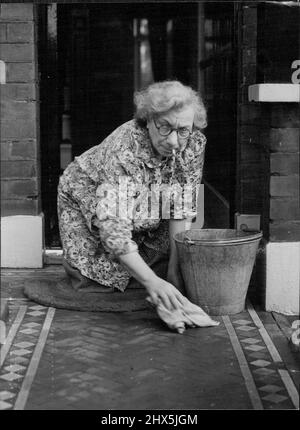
(274, 93)
(283, 277)
(22, 241)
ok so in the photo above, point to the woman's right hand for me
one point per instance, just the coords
(162, 291)
(159, 290)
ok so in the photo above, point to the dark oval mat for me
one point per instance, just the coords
(60, 294)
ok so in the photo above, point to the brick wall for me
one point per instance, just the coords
(20, 171)
(252, 154)
(279, 47)
(268, 133)
(284, 172)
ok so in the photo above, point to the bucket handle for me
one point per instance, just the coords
(188, 241)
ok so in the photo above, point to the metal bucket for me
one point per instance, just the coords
(216, 265)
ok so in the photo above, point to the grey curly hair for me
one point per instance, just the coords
(161, 97)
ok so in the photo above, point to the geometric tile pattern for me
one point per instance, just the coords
(264, 371)
(254, 348)
(250, 341)
(132, 361)
(14, 368)
(5, 395)
(18, 358)
(275, 398)
(11, 376)
(242, 322)
(245, 328)
(4, 405)
(21, 352)
(258, 355)
(270, 388)
(24, 344)
(260, 363)
(36, 313)
(28, 331)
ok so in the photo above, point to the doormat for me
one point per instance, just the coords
(60, 294)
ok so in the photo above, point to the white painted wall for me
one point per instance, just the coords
(283, 277)
(274, 93)
(22, 241)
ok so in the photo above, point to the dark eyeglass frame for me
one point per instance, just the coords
(172, 129)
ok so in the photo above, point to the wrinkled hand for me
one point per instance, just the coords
(163, 291)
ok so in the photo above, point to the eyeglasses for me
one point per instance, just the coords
(165, 130)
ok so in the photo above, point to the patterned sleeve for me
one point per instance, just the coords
(108, 164)
(115, 231)
(189, 170)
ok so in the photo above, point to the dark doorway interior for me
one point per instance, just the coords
(92, 57)
(218, 67)
(103, 58)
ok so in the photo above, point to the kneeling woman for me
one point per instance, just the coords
(104, 243)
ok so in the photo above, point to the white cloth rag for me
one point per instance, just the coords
(189, 314)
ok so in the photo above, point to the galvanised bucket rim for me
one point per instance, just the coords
(241, 237)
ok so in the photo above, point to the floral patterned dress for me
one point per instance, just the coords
(103, 198)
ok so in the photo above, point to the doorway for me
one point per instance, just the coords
(93, 56)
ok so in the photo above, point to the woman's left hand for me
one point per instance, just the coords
(174, 277)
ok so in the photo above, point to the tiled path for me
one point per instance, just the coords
(57, 359)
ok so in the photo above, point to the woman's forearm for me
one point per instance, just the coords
(138, 268)
(160, 291)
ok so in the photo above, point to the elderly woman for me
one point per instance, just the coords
(108, 230)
